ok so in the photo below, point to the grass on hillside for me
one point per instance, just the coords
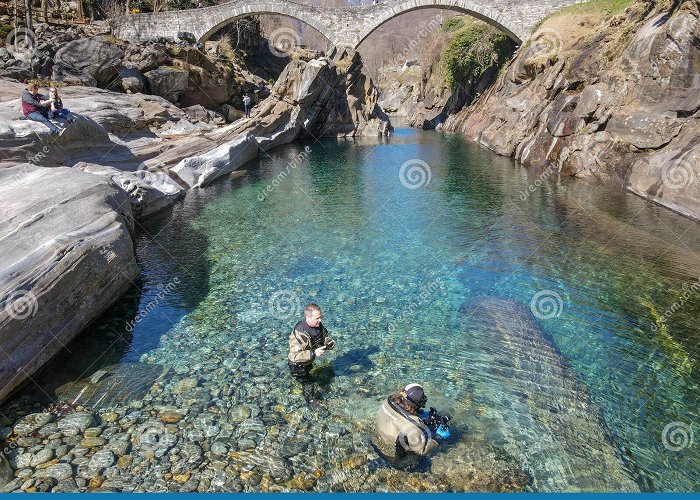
(603, 8)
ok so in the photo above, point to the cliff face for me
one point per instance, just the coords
(460, 61)
(619, 103)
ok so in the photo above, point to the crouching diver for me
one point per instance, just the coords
(405, 432)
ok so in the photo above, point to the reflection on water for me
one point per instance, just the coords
(555, 322)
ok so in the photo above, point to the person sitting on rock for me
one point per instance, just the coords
(35, 107)
(56, 107)
(309, 339)
(403, 436)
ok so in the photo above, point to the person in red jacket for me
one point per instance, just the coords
(36, 107)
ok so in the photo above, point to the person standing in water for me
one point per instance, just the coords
(309, 340)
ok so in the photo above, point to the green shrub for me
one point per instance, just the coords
(472, 51)
(4, 31)
(453, 24)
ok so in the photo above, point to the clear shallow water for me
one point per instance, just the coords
(433, 284)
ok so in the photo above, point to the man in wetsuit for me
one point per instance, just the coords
(309, 339)
(403, 437)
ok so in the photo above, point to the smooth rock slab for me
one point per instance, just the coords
(149, 192)
(197, 171)
(6, 472)
(65, 238)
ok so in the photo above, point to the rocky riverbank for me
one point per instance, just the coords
(612, 98)
(132, 155)
(183, 73)
(615, 100)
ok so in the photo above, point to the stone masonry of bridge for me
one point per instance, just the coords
(342, 26)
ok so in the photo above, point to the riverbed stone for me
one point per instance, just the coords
(48, 430)
(92, 432)
(171, 416)
(239, 413)
(76, 423)
(31, 423)
(58, 471)
(102, 459)
(186, 384)
(65, 486)
(42, 456)
(219, 448)
(92, 442)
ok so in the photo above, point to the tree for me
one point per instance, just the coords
(28, 14)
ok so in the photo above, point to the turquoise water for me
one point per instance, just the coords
(531, 316)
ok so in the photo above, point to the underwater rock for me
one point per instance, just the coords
(537, 410)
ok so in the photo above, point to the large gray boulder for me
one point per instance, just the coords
(198, 171)
(131, 80)
(68, 254)
(149, 192)
(169, 83)
(88, 61)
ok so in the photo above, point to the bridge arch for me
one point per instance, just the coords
(224, 17)
(483, 12)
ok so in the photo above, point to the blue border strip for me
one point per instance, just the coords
(373, 496)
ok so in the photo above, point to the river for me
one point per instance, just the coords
(555, 321)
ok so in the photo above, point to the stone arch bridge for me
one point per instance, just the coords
(342, 26)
